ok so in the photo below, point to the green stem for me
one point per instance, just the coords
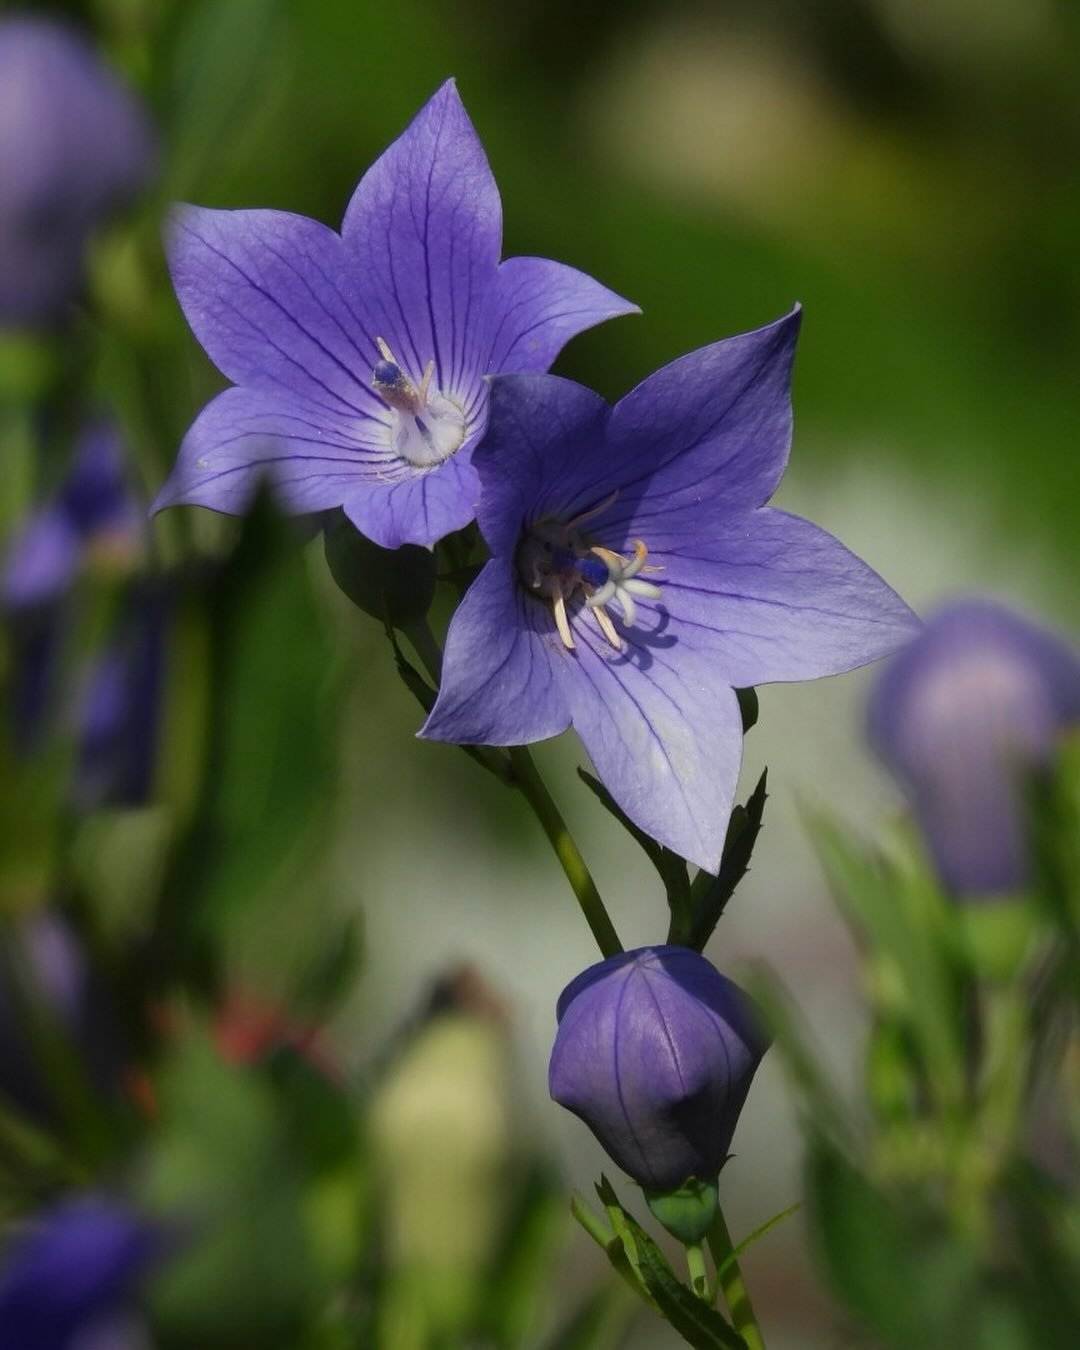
(731, 1282)
(695, 1265)
(426, 648)
(566, 850)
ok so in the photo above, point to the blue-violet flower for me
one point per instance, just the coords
(359, 359)
(636, 582)
(67, 1278)
(964, 717)
(74, 145)
(655, 1052)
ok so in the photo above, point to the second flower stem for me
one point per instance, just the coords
(528, 779)
(731, 1282)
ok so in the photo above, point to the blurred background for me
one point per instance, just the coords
(904, 168)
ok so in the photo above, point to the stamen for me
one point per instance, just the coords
(562, 623)
(559, 563)
(392, 384)
(593, 511)
(608, 628)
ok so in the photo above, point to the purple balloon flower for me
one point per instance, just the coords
(74, 145)
(635, 583)
(68, 1279)
(655, 1052)
(964, 716)
(359, 359)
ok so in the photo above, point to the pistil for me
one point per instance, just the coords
(426, 427)
(556, 561)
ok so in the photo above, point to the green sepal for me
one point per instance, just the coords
(395, 586)
(709, 895)
(686, 1213)
(749, 707)
(698, 1323)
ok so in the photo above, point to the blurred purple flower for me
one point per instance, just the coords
(74, 145)
(43, 950)
(68, 1278)
(96, 519)
(96, 513)
(359, 358)
(655, 1052)
(964, 716)
(635, 583)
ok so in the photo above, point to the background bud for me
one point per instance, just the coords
(442, 1141)
(655, 1052)
(964, 716)
(74, 144)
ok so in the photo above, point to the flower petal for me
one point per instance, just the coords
(501, 682)
(539, 427)
(269, 296)
(417, 508)
(242, 436)
(713, 425)
(663, 732)
(771, 597)
(423, 234)
(541, 305)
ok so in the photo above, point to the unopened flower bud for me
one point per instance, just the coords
(74, 145)
(965, 717)
(655, 1052)
(394, 586)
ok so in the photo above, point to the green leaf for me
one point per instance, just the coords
(748, 707)
(696, 1322)
(520, 1279)
(267, 742)
(332, 972)
(759, 1233)
(906, 1279)
(907, 936)
(709, 895)
(227, 74)
(222, 1168)
(410, 677)
(597, 1323)
(670, 866)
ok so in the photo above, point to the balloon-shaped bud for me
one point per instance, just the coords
(655, 1052)
(966, 716)
(394, 586)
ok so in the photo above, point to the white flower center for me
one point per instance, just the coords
(426, 427)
